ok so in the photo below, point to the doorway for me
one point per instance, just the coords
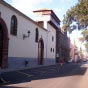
(40, 51)
(3, 44)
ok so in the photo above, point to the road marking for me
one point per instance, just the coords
(4, 81)
(24, 73)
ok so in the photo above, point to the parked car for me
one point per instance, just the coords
(70, 60)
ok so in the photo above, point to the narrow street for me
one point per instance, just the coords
(68, 76)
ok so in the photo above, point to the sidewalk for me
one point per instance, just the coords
(16, 69)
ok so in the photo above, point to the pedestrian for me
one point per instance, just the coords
(26, 63)
(61, 62)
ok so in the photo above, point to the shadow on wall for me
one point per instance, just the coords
(46, 72)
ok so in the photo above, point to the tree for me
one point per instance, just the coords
(78, 14)
(85, 36)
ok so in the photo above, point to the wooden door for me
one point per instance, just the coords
(1, 44)
(40, 51)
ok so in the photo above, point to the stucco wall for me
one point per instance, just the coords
(72, 52)
(51, 44)
(19, 48)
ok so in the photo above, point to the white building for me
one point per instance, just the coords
(24, 42)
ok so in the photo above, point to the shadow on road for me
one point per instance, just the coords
(47, 72)
(5, 86)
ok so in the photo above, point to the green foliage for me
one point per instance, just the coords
(85, 38)
(86, 46)
(78, 13)
(85, 34)
(82, 39)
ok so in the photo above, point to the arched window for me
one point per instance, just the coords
(36, 35)
(13, 29)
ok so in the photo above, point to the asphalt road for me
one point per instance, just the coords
(55, 76)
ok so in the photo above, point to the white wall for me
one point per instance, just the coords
(51, 31)
(27, 49)
(17, 46)
(50, 43)
(42, 17)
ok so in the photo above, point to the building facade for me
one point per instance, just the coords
(63, 46)
(51, 22)
(24, 42)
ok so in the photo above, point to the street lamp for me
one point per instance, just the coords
(26, 36)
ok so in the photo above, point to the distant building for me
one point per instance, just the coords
(47, 19)
(64, 46)
(72, 51)
(75, 53)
